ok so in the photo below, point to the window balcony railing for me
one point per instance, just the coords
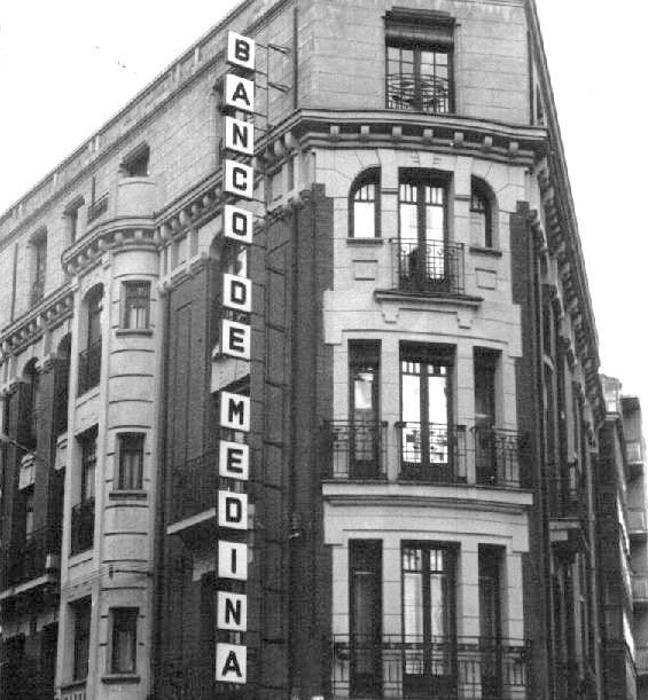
(497, 456)
(89, 367)
(397, 667)
(436, 267)
(74, 691)
(419, 93)
(195, 486)
(432, 452)
(633, 451)
(355, 450)
(82, 534)
(28, 560)
(640, 589)
(96, 209)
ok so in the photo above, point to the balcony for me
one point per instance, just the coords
(355, 450)
(432, 452)
(29, 560)
(418, 93)
(441, 668)
(89, 367)
(82, 535)
(637, 522)
(634, 458)
(497, 456)
(435, 268)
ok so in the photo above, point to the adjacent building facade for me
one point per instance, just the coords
(349, 450)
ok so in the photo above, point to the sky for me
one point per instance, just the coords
(66, 67)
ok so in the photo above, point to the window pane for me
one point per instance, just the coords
(364, 220)
(124, 640)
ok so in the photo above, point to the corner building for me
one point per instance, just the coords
(423, 378)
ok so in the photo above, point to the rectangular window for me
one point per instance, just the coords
(29, 512)
(136, 163)
(486, 440)
(137, 301)
(71, 215)
(88, 464)
(81, 614)
(430, 443)
(490, 614)
(123, 658)
(420, 46)
(131, 459)
(428, 572)
(365, 599)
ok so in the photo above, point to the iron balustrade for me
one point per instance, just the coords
(96, 209)
(27, 559)
(432, 452)
(435, 267)
(355, 450)
(497, 456)
(411, 667)
(82, 531)
(89, 367)
(419, 92)
(568, 498)
(195, 486)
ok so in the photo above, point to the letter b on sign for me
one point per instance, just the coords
(240, 51)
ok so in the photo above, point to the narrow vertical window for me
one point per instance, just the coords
(364, 206)
(29, 512)
(131, 459)
(481, 223)
(81, 613)
(136, 308)
(124, 640)
(39, 266)
(88, 466)
(490, 614)
(90, 357)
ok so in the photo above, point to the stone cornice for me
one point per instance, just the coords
(49, 313)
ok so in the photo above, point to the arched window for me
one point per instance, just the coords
(38, 245)
(364, 206)
(90, 356)
(481, 214)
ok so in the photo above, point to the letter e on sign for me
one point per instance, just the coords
(234, 460)
(233, 510)
(238, 224)
(237, 293)
(239, 179)
(235, 411)
(239, 93)
(240, 50)
(231, 663)
(232, 560)
(235, 339)
(231, 611)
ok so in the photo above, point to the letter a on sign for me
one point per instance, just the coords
(231, 663)
(239, 93)
(240, 51)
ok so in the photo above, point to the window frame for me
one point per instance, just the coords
(132, 301)
(131, 163)
(370, 177)
(480, 191)
(125, 467)
(88, 461)
(123, 619)
(82, 614)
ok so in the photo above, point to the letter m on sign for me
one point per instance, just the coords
(235, 411)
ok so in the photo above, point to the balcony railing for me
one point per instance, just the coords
(419, 93)
(633, 451)
(89, 367)
(640, 588)
(435, 267)
(96, 209)
(82, 526)
(195, 486)
(442, 668)
(28, 560)
(568, 497)
(432, 452)
(74, 691)
(497, 456)
(355, 450)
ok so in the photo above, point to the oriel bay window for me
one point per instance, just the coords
(431, 447)
(419, 61)
(429, 633)
(427, 261)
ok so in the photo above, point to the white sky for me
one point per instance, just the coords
(67, 66)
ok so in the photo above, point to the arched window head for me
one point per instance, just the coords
(481, 214)
(364, 206)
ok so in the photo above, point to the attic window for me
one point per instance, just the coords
(136, 163)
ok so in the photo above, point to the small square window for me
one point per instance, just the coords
(136, 163)
(136, 306)
(123, 658)
(131, 460)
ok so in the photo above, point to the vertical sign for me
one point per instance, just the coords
(236, 339)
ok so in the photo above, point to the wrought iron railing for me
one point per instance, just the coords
(27, 559)
(432, 452)
(355, 450)
(74, 691)
(90, 367)
(497, 456)
(419, 93)
(82, 531)
(96, 209)
(433, 267)
(411, 667)
(195, 486)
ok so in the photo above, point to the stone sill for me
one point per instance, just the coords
(134, 331)
(121, 678)
(365, 241)
(489, 252)
(127, 494)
